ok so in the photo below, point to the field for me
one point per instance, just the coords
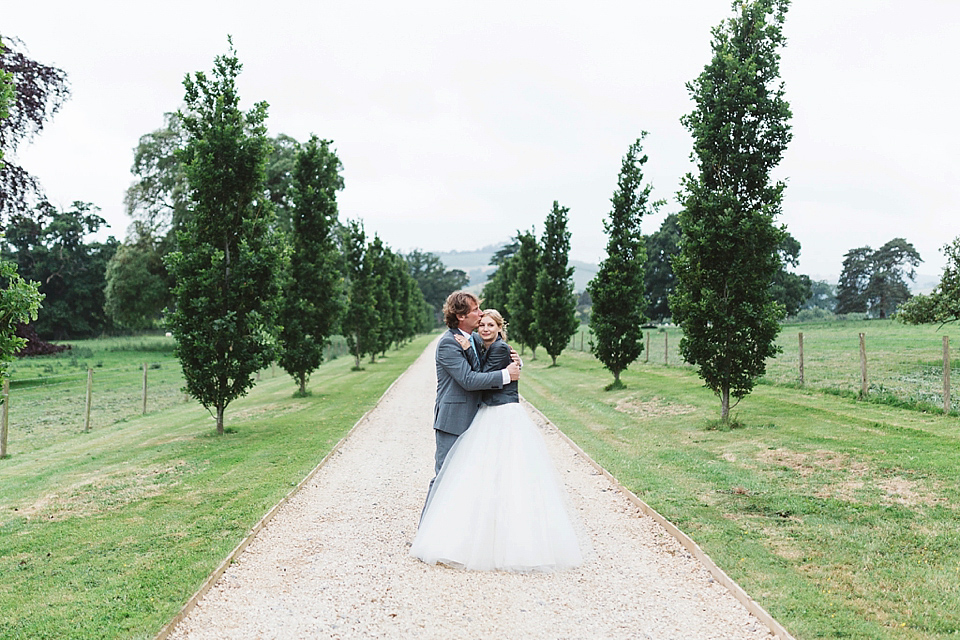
(839, 516)
(904, 364)
(108, 533)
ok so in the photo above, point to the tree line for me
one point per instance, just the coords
(235, 246)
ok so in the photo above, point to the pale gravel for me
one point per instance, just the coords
(335, 563)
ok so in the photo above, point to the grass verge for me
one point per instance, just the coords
(108, 533)
(840, 517)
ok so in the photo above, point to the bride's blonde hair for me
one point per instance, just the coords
(493, 313)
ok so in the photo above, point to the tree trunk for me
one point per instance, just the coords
(303, 384)
(616, 377)
(725, 405)
(220, 420)
(554, 358)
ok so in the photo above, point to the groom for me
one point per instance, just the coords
(459, 379)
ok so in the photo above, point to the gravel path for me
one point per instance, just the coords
(334, 562)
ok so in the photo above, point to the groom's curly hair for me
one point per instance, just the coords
(458, 304)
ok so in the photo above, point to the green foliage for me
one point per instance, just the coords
(873, 281)
(229, 262)
(522, 294)
(729, 246)
(554, 305)
(361, 323)
(435, 280)
(385, 288)
(943, 303)
(138, 287)
(617, 291)
(659, 279)
(7, 94)
(791, 290)
(313, 299)
(281, 182)
(158, 201)
(48, 247)
(19, 301)
(823, 295)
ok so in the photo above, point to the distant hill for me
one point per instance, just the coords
(476, 264)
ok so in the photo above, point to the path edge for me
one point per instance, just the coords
(685, 541)
(219, 571)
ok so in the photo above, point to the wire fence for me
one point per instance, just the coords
(900, 364)
(49, 402)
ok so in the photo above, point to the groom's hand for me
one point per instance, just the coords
(514, 370)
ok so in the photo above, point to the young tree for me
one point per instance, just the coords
(729, 245)
(313, 291)
(361, 323)
(523, 289)
(39, 92)
(943, 303)
(554, 305)
(659, 281)
(616, 292)
(228, 265)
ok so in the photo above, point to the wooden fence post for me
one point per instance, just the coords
(144, 387)
(946, 374)
(3, 419)
(666, 346)
(646, 352)
(863, 367)
(86, 420)
(801, 358)
(581, 340)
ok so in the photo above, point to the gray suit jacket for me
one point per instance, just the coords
(458, 386)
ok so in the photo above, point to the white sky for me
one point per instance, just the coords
(460, 123)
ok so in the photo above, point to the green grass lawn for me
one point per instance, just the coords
(840, 517)
(108, 533)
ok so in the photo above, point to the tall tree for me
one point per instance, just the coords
(854, 278)
(523, 289)
(158, 201)
(892, 263)
(19, 299)
(228, 265)
(361, 323)
(39, 91)
(729, 243)
(50, 247)
(280, 183)
(659, 280)
(385, 293)
(554, 305)
(943, 303)
(313, 291)
(790, 289)
(617, 291)
(496, 290)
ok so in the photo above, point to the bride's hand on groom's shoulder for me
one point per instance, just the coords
(464, 341)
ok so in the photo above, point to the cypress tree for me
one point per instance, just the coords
(555, 306)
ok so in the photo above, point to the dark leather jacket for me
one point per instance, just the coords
(497, 357)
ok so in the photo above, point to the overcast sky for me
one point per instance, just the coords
(460, 123)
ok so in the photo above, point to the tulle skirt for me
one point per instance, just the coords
(497, 502)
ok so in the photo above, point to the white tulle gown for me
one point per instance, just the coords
(497, 502)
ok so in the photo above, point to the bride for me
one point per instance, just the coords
(497, 501)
